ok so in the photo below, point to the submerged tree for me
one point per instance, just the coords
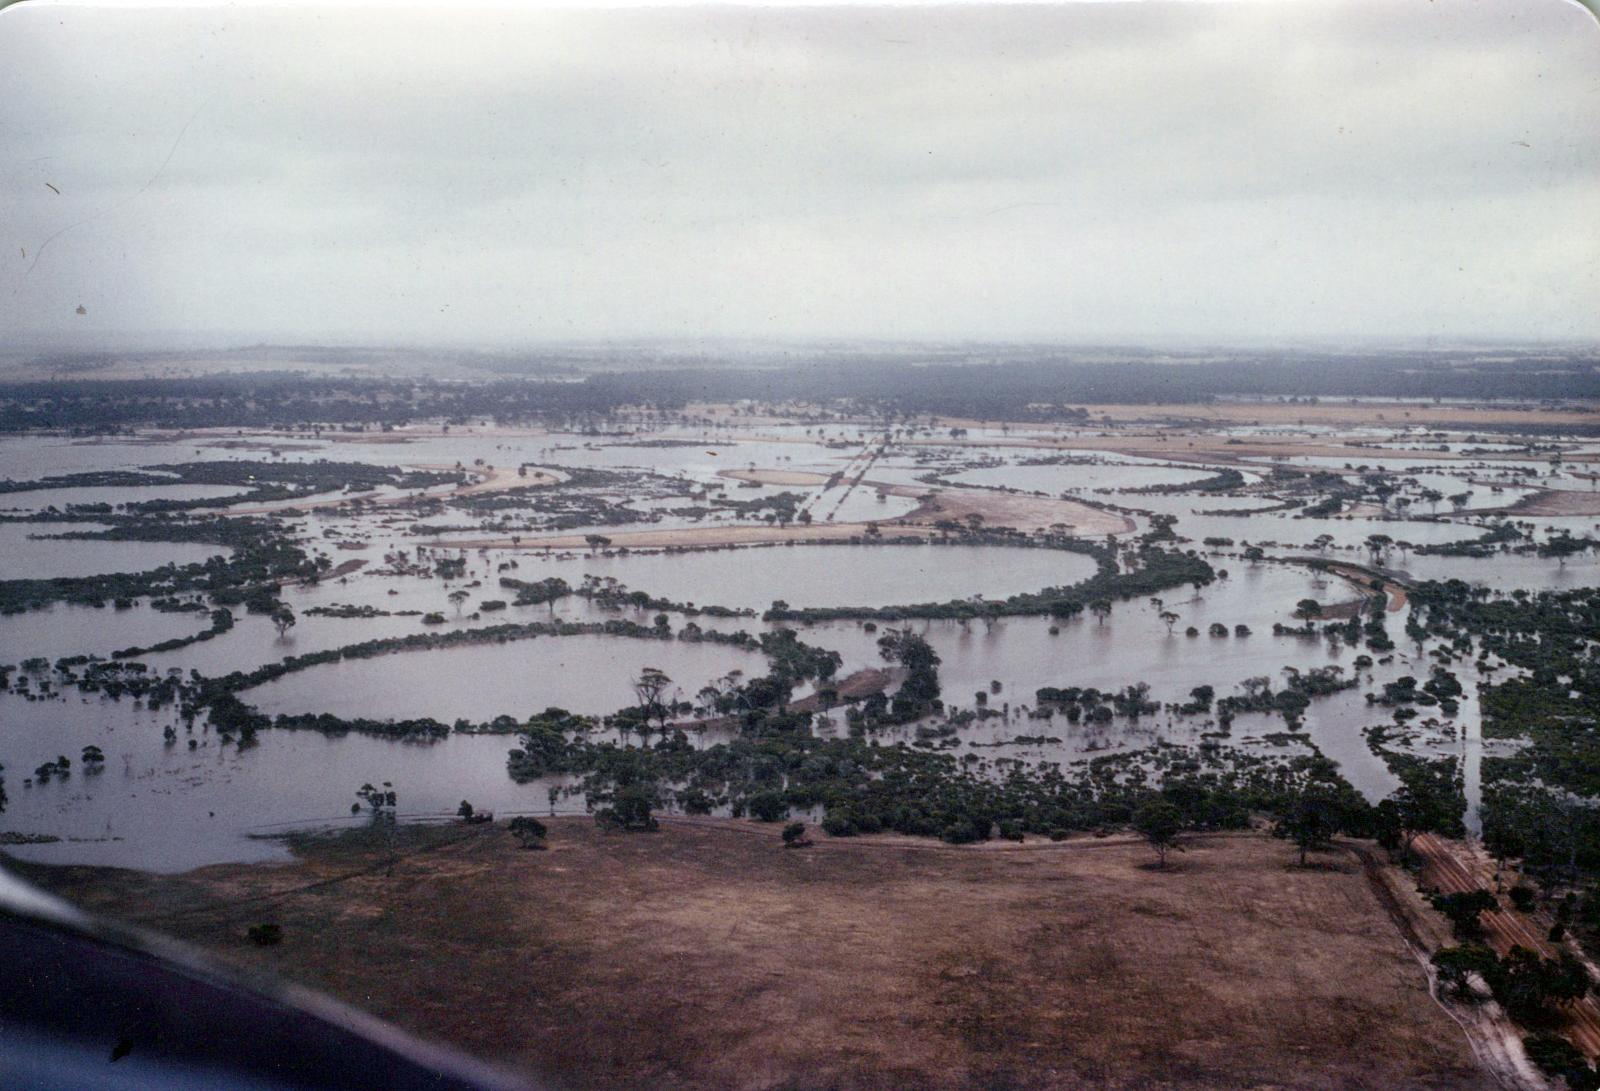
(650, 688)
(920, 690)
(384, 803)
(382, 799)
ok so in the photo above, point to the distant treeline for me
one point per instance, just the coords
(1042, 388)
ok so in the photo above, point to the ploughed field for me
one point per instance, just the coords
(706, 955)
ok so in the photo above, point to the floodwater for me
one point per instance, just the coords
(826, 575)
(169, 808)
(36, 500)
(63, 630)
(26, 555)
(1078, 476)
(591, 675)
(163, 805)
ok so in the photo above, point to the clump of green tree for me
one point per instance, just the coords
(1158, 570)
(1088, 703)
(1319, 809)
(260, 556)
(1561, 1060)
(918, 694)
(1290, 702)
(1535, 991)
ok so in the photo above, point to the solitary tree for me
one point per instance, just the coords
(529, 831)
(1101, 609)
(265, 935)
(1160, 823)
(1307, 609)
(282, 618)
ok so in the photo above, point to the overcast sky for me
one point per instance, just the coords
(1083, 172)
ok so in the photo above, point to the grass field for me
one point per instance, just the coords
(707, 956)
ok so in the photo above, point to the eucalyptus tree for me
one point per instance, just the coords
(650, 688)
(1160, 823)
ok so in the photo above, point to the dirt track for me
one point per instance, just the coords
(1452, 867)
(1360, 579)
(1495, 1040)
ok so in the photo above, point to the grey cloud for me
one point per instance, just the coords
(1087, 171)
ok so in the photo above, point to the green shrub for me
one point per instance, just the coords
(768, 806)
(837, 823)
(265, 935)
(528, 831)
(1558, 1058)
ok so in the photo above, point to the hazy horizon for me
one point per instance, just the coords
(1152, 175)
(176, 343)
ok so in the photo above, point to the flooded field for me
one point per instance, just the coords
(592, 675)
(32, 554)
(432, 597)
(840, 575)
